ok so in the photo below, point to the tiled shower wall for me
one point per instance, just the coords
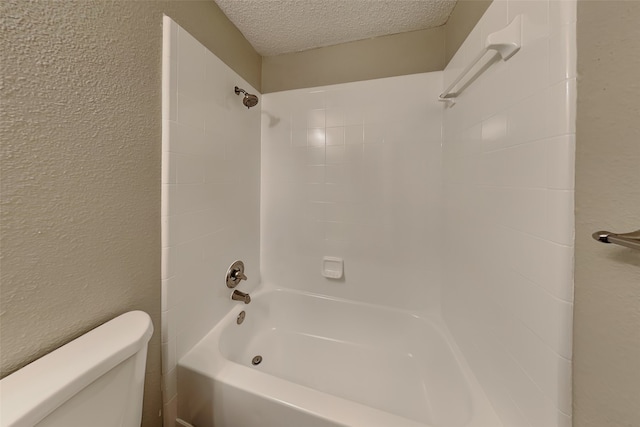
(210, 195)
(353, 171)
(508, 207)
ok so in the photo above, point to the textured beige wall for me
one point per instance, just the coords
(607, 290)
(80, 166)
(394, 55)
(464, 17)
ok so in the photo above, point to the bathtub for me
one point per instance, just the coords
(328, 362)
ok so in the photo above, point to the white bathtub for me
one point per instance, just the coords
(328, 362)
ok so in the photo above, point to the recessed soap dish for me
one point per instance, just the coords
(332, 267)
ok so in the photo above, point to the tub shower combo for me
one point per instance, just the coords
(348, 255)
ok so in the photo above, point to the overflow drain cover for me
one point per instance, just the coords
(256, 360)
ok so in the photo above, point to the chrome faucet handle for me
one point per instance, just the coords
(238, 275)
(235, 274)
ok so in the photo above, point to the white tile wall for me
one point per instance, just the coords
(508, 162)
(353, 171)
(210, 195)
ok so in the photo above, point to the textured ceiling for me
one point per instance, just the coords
(275, 27)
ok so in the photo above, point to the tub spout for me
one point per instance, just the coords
(240, 296)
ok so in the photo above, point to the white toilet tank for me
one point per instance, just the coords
(96, 380)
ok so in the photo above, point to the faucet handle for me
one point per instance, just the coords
(238, 275)
(235, 274)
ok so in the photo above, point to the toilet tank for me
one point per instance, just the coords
(96, 380)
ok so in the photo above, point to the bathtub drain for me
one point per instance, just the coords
(256, 360)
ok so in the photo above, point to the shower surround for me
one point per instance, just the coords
(508, 162)
(464, 214)
(210, 196)
(354, 171)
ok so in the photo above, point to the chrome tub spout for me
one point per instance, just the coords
(240, 296)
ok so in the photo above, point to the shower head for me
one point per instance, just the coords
(249, 100)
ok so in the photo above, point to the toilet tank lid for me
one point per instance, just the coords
(31, 393)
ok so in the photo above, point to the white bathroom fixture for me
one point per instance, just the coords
(302, 359)
(95, 380)
(505, 43)
(332, 267)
